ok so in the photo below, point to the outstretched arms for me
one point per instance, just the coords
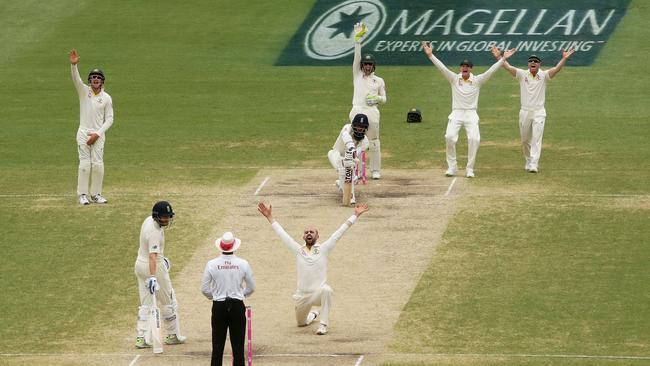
(359, 32)
(428, 50)
(266, 211)
(565, 56)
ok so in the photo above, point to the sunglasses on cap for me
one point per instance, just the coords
(533, 61)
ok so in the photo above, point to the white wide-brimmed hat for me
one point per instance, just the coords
(227, 242)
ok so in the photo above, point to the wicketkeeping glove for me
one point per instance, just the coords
(152, 284)
(372, 100)
(359, 31)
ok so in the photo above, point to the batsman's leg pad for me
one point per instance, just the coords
(143, 324)
(335, 159)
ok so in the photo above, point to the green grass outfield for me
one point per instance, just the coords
(559, 271)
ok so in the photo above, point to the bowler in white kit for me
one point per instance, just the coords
(311, 265)
(95, 118)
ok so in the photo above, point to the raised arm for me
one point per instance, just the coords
(565, 56)
(76, 78)
(359, 32)
(329, 244)
(448, 74)
(500, 61)
(266, 211)
(506, 55)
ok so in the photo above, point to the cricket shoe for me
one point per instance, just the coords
(311, 317)
(322, 329)
(140, 343)
(470, 173)
(175, 339)
(532, 169)
(450, 172)
(83, 200)
(376, 174)
(353, 199)
(97, 198)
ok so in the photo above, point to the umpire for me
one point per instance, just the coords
(222, 283)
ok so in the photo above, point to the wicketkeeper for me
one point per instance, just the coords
(152, 272)
(369, 92)
(349, 145)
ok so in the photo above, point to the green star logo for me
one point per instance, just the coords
(346, 23)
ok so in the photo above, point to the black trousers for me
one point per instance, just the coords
(228, 315)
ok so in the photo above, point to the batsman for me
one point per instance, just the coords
(152, 272)
(349, 145)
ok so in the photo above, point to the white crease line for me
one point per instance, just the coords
(450, 186)
(134, 360)
(261, 185)
(359, 361)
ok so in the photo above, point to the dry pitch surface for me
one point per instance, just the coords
(373, 269)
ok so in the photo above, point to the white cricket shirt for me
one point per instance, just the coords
(152, 240)
(95, 111)
(464, 93)
(532, 88)
(365, 85)
(345, 139)
(311, 265)
(224, 276)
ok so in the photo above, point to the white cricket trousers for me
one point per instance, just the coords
(473, 141)
(531, 129)
(91, 164)
(304, 303)
(165, 299)
(372, 134)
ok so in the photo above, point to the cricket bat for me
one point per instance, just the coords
(156, 333)
(347, 187)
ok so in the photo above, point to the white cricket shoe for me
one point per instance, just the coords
(532, 169)
(311, 317)
(353, 199)
(450, 172)
(97, 198)
(376, 174)
(470, 173)
(322, 329)
(83, 199)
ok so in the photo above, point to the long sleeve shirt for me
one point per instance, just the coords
(95, 110)
(365, 86)
(311, 265)
(464, 93)
(225, 276)
(345, 140)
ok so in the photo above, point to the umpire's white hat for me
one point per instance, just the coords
(227, 242)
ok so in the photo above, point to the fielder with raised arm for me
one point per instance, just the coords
(369, 91)
(532, 85)
(347, 148)
(152, 272)
(311, 265)
(95, 118)
(465, 88)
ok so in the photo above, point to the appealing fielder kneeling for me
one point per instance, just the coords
(350, 143)
(311, 264)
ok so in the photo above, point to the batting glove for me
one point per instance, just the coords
(348, 163)
(359, 31)
(349, 154)
(167, 263)
(152, 285)
(372, 100)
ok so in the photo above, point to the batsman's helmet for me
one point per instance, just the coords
(368, 59)
(360, 126)
(96, 72)
(162, 209)
(414, 115)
